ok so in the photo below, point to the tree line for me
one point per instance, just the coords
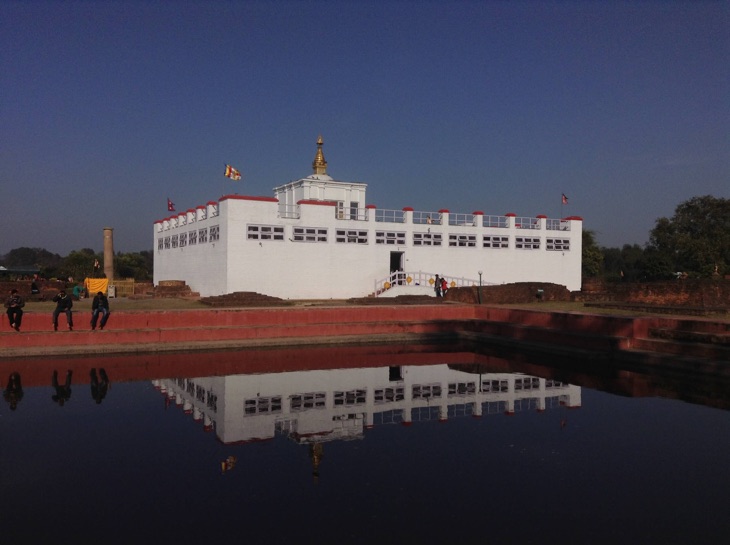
(80, 263)
(693, 243)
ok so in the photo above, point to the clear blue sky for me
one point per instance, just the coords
(109, 108)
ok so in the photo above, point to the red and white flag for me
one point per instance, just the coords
(565, 199)
(232, 173)
(170, 206)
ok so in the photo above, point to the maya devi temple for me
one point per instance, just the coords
(318, 238)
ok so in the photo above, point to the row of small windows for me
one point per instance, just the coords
(318, 400)
(190, 238)
(352, 236)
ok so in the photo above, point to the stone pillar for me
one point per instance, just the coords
(109, 253)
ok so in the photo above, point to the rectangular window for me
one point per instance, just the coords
(495, 386)
(310, 234)
(302, 402)
(160, 244)
(526, 383)
(464, 241)
(193, 237)
(174, 241)
(495, 242)
(351, 397)
(387, 395)
(427, 239)
(390, 237)
(462, 388)
(215, 231)
(426, 391)
(527, 243)
(183, 240)
(262, 405)
(557, 244)
(351, 236)
(167, 243)
(203, 235)
(265, 232)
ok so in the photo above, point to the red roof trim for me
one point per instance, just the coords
(443, 211)
(477, 213)
(541, 216)
(407, 209)
(510, 215)
(371, 207)
(319, 203)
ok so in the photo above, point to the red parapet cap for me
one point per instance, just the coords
(371, 207)
(159, 221)
(408, 209)
(214, 203)
(477, 213)
(541, 216)
(318, 203)
(191, 210)
(248, 198)
(573, 218)
(510, 215)
(201, 207)
(443, 211)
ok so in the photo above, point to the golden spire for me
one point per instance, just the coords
(319, 164)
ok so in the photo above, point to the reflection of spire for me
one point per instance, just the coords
(316, 453)
(319, 165)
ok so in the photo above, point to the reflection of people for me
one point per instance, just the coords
(15, 304)
(63, 393)
(63, 304)
(100, 305)
(99, 388)
(316, 453)
(13, 392)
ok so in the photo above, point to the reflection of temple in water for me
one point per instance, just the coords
(316, 406)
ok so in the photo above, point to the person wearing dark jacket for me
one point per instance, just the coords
(15, 304)
(63, 304)
(100, 305)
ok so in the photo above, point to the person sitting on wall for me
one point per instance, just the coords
(100, 305)
(63, 304)
(15, 304)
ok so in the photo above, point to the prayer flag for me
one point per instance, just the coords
(565, 199)
(170, 206)
(232, 173)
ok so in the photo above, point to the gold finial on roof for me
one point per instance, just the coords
(319, 164)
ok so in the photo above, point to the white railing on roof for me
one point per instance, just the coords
(427, 218)
(463, 219)
(557, 225)
(500, 222)
(290, 211)
(390, 216)
(527, 223)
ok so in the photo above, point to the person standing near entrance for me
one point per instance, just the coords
(100, 305)
(437, 286)
(63, 304)
(15, 304)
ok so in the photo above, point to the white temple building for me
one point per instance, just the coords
(317, 238)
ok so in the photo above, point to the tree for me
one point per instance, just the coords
(696, 240)
(592, 256)
(79, 264)
(47, 262)
(133, 265)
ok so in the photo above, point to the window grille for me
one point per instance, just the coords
(167, 243)
(262, 405)
(265, 232)
(557, 244)
(310, 234)
(192, 237)
(215, 231)
(464, 241)
(426, 391)
(527, 383)
(160, 243)
(203, 235)
(495, 242)
(462, 388)
(351, 397)
(183, 240)
(302, 402)
(174, 241)
(390, 237)
(495, 386)
(387, 395)
(352, 236)
(427, 239)
(527, 243)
